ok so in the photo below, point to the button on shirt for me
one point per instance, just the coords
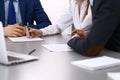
(17, 10)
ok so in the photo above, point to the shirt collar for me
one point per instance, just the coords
(91, 2)
(8, 0)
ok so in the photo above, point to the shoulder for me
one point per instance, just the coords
(32, 1)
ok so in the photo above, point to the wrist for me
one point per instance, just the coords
(40, 33)
(5, 32)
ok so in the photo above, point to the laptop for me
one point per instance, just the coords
(8, 57)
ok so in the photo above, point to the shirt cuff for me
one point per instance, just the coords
(43, 32)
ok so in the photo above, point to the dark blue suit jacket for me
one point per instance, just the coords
(31, 10)
(105, 31)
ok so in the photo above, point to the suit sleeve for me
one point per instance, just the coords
(104, 24)
(40, 16)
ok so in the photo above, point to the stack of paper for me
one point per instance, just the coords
(23, 39)
(58, 47)
(114, 76)
(97, 63)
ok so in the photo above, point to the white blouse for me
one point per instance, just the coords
(70, 17)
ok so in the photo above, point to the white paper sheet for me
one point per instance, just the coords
(113, 76)
(97, 63)
(58, 47)
(23, 39)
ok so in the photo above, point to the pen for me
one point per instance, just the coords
(27, 31)
(87, 31)
(20, 24)
(31, 51)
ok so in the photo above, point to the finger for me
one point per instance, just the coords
(36, 33)
(77, 30)
(17, 34)
(33, 35)
(19, 31)
(32, 31)
(74, 31)
(82, 34)
(19, 27)
(13, 35)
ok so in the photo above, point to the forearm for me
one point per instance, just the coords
(79, 45)
(39, 16)
(104, 24)
(83, 47)
(49, 30)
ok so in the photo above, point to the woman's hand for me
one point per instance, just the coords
(35, 32)
(79, 33)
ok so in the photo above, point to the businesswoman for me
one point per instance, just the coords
(79, 14)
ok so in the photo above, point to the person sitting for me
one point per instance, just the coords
(14, 14)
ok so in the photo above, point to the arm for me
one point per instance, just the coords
(104, 24)
(62, 23)
(40, 16)
(14, 30)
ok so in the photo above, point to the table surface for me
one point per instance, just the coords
(51, 65)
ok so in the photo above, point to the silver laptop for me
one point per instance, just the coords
(7, 57)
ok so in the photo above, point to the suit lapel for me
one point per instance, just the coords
(2, 12)
(22, 11)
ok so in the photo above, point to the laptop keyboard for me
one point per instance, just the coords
(11, 58)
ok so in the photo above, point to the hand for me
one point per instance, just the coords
(14, 30)
(35, 33)
(79, 32)
(75, 35)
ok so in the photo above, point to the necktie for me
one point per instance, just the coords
(11, 13)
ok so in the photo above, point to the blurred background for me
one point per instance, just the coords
(54, 10)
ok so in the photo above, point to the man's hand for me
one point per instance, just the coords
(14, 30)
(79, 33)
(35, 32)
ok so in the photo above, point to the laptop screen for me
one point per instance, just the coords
(14, 57)
(3, 51)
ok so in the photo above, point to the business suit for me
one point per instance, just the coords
(105, 31)
(30, 11)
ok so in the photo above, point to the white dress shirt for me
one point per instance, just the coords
(17, 10)
(91, 2)
(70, 17)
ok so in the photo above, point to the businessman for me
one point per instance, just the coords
(16, 13)
(105, 30)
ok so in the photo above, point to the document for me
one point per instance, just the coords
(97, 63)
(57, 47)
(113, 75)
(23, 39)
